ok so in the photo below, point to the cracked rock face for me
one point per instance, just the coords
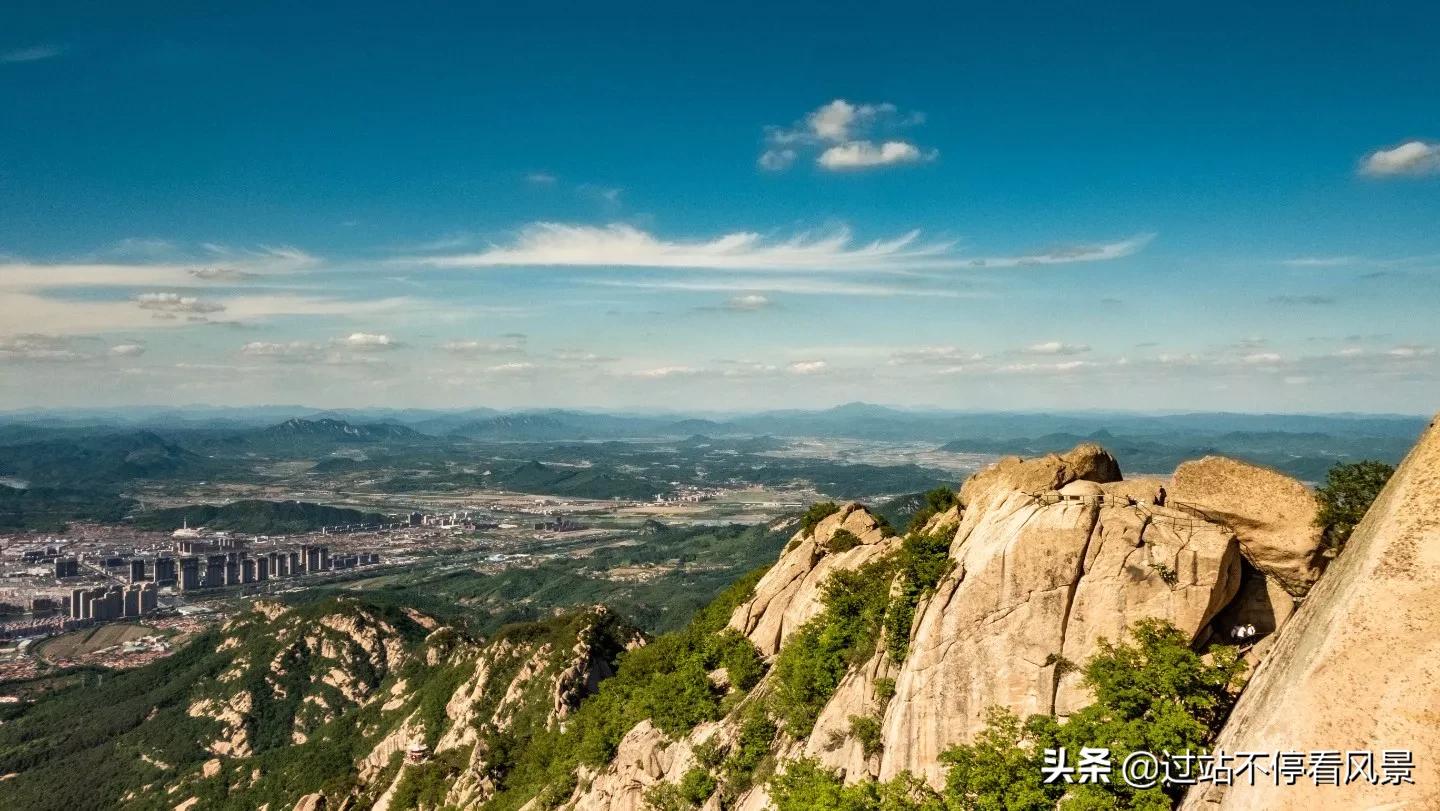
(1037, 585)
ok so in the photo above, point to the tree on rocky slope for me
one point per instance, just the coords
(1349, 490)
(1153, 693)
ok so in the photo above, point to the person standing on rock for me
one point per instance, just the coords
(1160, 496)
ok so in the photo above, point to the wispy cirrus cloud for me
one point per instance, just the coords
(33, 53)
(547, 244)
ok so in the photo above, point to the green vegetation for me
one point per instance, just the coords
(256, 517)
(866, 729)
(1152, 693)
(842, 541)
(934, 502)
(817, 656)
(666, 682)
(692, 566)
(49, 509)
(1347, 494)
(808, 786)
(1167, 575)
(817, 513)
(921, 562)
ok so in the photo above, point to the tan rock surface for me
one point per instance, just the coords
(1035, 582)
(1272, 514)
(1088, 462)
(789, 593)
(1356, 667)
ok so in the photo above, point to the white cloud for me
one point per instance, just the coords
(511, 368)
(1410, 352)
(775, 160)
(38, 348)
(1319, 261)
(834, 121)
(1262, 358)
(34, 53)
(622, 245)
(176, 303)
(951, 356)
(541, 178)
(1056, 348)
(786, 284)
(865, 154)
(483, 347)
(663, 372)
(293, 349)
(1410, 158)
(1031, 368)
(843, 134)
(367, 342)
(750, 301)
(808, 367)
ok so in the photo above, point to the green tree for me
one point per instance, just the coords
(1349, 490)
(816, 658)
(1152, 693)
(817, 513)
(936, 501)
(999, 771)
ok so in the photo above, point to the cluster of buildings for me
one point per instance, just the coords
(236, 568)
(114, 602)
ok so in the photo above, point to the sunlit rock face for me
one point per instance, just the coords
(1272, 514)
(1036, 586)
(1355, 667)
(789, 593)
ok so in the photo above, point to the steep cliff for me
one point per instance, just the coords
(1355, 668)
(1046, 559)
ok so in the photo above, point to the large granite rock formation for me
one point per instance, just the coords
(1037, 585)
(789, 593)
(1356, 667)
(1087, 462)
(1272, 514)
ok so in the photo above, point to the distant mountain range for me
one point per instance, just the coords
(328, 429)
(856, 420)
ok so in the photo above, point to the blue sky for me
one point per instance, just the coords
(645, 206)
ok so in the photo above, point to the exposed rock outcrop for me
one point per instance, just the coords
(1036, 586)
(1088, 462)
(1272, 514)
(789, 593)
(1363, 644)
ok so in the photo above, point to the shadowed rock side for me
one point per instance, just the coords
(1356, 667)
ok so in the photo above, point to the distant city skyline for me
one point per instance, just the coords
(644, 207)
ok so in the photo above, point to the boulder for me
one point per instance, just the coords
(1272, 514)
(1088, 462)
(1355, 668)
